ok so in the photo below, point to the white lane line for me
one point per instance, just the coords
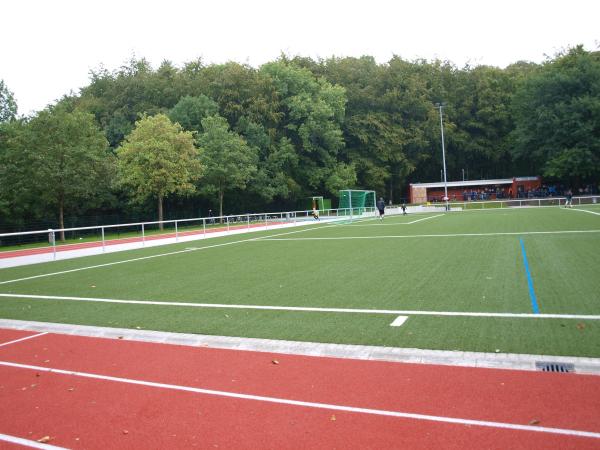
(310, 309)
(187, 250)
(28, 443)
(408, 236)
(23, 339)
(328, 406)
(424, 218)
(398, 321)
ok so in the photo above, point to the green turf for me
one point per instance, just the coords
(465, 262)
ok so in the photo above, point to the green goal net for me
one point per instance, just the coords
(355, 202)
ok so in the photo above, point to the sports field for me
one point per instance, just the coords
(499, 280)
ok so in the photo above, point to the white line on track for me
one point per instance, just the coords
(408, 236)
(159, 255)
(328, 406)
(28, 443)
(23, 339)
(310, 309)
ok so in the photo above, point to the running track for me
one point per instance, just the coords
(86, 410)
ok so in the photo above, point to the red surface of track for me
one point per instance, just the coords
(152, 237)
(80, 412)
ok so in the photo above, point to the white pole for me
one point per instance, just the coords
(143, 237)
(176, 235)
(53, 242)
(350, 203)
(103, 248)
(443, 156)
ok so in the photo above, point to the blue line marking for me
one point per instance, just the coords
(534, 304)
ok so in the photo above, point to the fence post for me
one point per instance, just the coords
(248, 221)
(227, 220)
(103, 247)
(266, 223)
(204, 226)
(143, 237)
(52, 238)
(176, 235)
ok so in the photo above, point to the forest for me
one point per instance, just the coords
(144, 143)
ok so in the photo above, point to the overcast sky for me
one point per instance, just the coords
(49, 46)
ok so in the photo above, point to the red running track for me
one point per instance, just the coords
(81, 412)
(95, 244)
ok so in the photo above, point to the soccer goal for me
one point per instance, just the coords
(356, 202)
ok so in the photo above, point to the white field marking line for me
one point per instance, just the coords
(309, 308)
(189, 249)
(583, 210)
(398, 321)
(424, 218)
(430, 235)
(328, 406)
(392, 224)
(28, 443)
(23, 339)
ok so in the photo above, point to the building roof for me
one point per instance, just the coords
(470, 183)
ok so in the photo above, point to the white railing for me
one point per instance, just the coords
(513, 203)
(142, 232)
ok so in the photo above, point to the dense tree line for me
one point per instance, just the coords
(237, 138)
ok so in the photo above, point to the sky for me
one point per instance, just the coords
(49, 46)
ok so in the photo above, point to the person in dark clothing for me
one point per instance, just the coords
(403, 209)
(381, 208)
(569, 202)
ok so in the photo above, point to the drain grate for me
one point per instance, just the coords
(545, 366)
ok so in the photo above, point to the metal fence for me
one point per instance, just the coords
(143, 233)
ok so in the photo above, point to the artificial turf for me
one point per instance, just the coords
(465, 262)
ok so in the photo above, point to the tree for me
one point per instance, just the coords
(157, 159)
(61, 161)
(8, 106)
(557, 115)
(189, 111)
(228, 160)
(312, 112)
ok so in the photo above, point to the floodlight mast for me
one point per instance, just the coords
(440, 106)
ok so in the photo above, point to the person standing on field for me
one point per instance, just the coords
(381, 208)
(569, 202)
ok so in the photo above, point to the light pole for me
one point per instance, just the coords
(440, 106)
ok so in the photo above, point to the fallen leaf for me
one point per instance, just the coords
(71, 389)
(274, 362)
(125, 432)
(120, 337)
(580, 326)
(44, 439)
(333, 418)
(534, 422)
(37, 374)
